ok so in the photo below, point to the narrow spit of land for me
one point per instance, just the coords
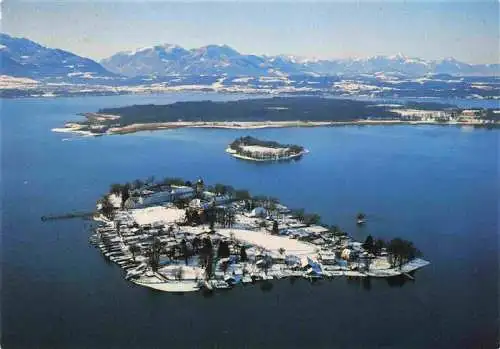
(179, 236)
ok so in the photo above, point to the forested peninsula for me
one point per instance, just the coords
(270, 112)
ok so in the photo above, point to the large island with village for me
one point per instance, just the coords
(181, 236)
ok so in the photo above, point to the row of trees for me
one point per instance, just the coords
(157, 248)
(248, 140)
(306, 218)
(207, 256)
(153, 254)
(123, 190)
(107, 208)
(401, 251)
(374, 246)
(192, 217)
(223, 250)
(221, 189)
(225, 217)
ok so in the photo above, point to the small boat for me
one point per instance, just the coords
(246, 279)
(255, 277)
(265, 276)
(206, 285)
(128, 266)
(220, 284)
(122, 262)
(278, 275)
(361, 219)
(230, 280)
(136, 272)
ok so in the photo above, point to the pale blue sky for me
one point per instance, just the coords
(467, 31)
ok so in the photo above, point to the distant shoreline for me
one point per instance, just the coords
(248, 125)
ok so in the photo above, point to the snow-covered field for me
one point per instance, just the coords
(157, 214)
(14, 82)
(271, 242)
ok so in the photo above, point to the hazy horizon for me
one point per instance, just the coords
(467, 31)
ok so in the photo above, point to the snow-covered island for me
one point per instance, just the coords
(253, 149)
(179, 236)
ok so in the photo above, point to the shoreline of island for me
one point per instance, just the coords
(75, 128)
(242, 157)
(253, 149)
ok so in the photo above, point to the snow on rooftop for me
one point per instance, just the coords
(260, 149)
(417, 112)
(315, 229)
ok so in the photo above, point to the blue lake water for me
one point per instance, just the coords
(437, 186)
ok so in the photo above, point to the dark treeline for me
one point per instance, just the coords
(400, 250)
(249, 140)
(267, 109)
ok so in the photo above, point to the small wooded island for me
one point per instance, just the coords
(253, 149)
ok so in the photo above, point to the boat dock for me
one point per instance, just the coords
(68, 216)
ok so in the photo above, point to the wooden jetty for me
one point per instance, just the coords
(68, 216)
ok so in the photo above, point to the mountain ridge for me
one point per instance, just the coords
(22, 57)
(223, 59)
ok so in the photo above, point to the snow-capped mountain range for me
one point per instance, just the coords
(167, 60)
(22, 57)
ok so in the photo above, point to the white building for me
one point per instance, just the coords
(258, 212)
(150, 198)
(181, 192)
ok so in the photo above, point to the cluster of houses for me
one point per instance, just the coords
(447, 115)
(263, 242)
